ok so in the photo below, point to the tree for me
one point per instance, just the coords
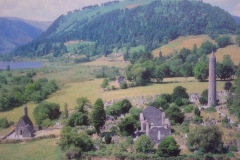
(81, 103)
(4, 122)
(46, 110)
(175, 115)
(205, 139)
(128, 126)
(226, 69)
(200, 71)
(204, 97)
(179, 92)
(207, 47)
(46, 123)
(168, 147)
(125, 106)
(98, 115)
(104, 83)
(77, 119)
(64, 114)
(158, 74)
(123, 85)
(227, 85)
(143, 144)
(187, 70)
(72, 142)
(223, 41)
(108, 138)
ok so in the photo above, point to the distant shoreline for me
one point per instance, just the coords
(20, 65)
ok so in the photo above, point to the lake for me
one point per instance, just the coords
(20, 65)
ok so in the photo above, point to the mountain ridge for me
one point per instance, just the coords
(16, 31)
(149, 23)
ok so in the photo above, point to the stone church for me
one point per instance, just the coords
(155, 124)
(24, 126)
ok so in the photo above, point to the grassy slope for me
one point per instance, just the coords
(189, 41)
(38, 150)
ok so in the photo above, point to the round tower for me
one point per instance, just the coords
(212, 81)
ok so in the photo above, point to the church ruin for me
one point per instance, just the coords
(155, 124)
(24, 126)
(212, 81)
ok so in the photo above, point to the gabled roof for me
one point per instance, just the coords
(153, 115)
(26, 120)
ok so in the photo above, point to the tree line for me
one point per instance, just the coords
(23, 89)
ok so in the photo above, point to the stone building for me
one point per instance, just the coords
(24, 126)
(155, 124)
(212, 81)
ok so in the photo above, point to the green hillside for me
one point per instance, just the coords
(130, 24)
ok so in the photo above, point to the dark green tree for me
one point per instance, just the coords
(128, 126)
(143, 144)
(200, 71)
(98, 115)
(74, 143)
(204, 97)
(205, 139)
(175, 115)
(168, 147)
(46, 110)
(83, 104)
(179, 92)
(77, 119)
(207, 47)
(104, 83)
(223, 41)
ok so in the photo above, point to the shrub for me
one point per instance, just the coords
(104, 83)
(143, 144)
(233, 148)
(108, 138)
(188, 109)
(197, 119)
(91, 131)
(4, 122)
(178, 101)
(123, 85)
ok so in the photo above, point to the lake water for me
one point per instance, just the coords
(20, 65)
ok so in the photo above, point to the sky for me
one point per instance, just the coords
(49, 10)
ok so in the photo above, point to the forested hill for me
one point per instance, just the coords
(150, 25)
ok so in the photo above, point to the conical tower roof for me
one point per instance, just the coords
(212, 55)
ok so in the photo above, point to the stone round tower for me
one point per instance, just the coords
(212, 81)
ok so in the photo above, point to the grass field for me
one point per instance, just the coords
(232, 50)
(45, 149)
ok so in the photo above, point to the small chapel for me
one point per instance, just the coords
(154, 124)
(24, 126)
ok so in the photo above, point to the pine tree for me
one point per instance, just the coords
(98, 115)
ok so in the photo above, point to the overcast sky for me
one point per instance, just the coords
(49, 10)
